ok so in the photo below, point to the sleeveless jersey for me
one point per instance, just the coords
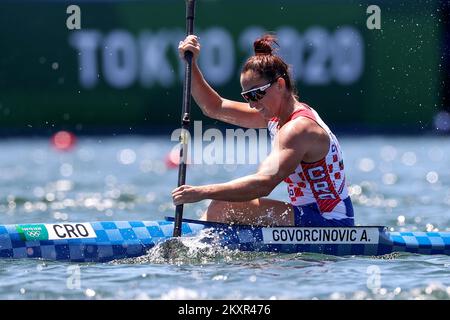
(323, 182)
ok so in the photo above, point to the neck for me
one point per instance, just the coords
(287, 107)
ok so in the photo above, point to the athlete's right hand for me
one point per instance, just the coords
(190, 43)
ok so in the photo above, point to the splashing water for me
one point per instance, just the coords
(200, 249)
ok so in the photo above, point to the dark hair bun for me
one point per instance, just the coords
(265, 45)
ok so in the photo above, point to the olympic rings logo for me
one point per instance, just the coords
(34, 234)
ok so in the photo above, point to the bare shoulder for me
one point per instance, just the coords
(300, 130)
(305, 138)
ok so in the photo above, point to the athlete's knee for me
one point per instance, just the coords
(215, 211)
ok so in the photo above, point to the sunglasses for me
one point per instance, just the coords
(257, 94)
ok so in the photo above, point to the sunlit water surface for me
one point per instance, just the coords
(402, 183)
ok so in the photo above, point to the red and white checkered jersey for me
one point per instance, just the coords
(321, 182)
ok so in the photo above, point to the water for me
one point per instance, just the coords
(399, 182)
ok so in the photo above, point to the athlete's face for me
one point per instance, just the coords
(261, 94)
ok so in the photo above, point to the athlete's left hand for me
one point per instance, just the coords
(186, 194)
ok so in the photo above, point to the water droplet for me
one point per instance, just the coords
(401, 220)
(389, 178)
(366, 165)
(409, 158)
(388, 153)
(432, 177)
(66, 170)
(127, 156)
(89, 293)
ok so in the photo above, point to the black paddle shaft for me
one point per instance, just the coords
(185, 116)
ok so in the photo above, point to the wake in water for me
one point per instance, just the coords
(201, 249)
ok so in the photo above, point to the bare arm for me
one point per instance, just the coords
(292, 145)
(210, 102)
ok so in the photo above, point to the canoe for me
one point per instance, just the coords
(104, 241)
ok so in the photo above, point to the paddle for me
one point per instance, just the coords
(185, 116)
